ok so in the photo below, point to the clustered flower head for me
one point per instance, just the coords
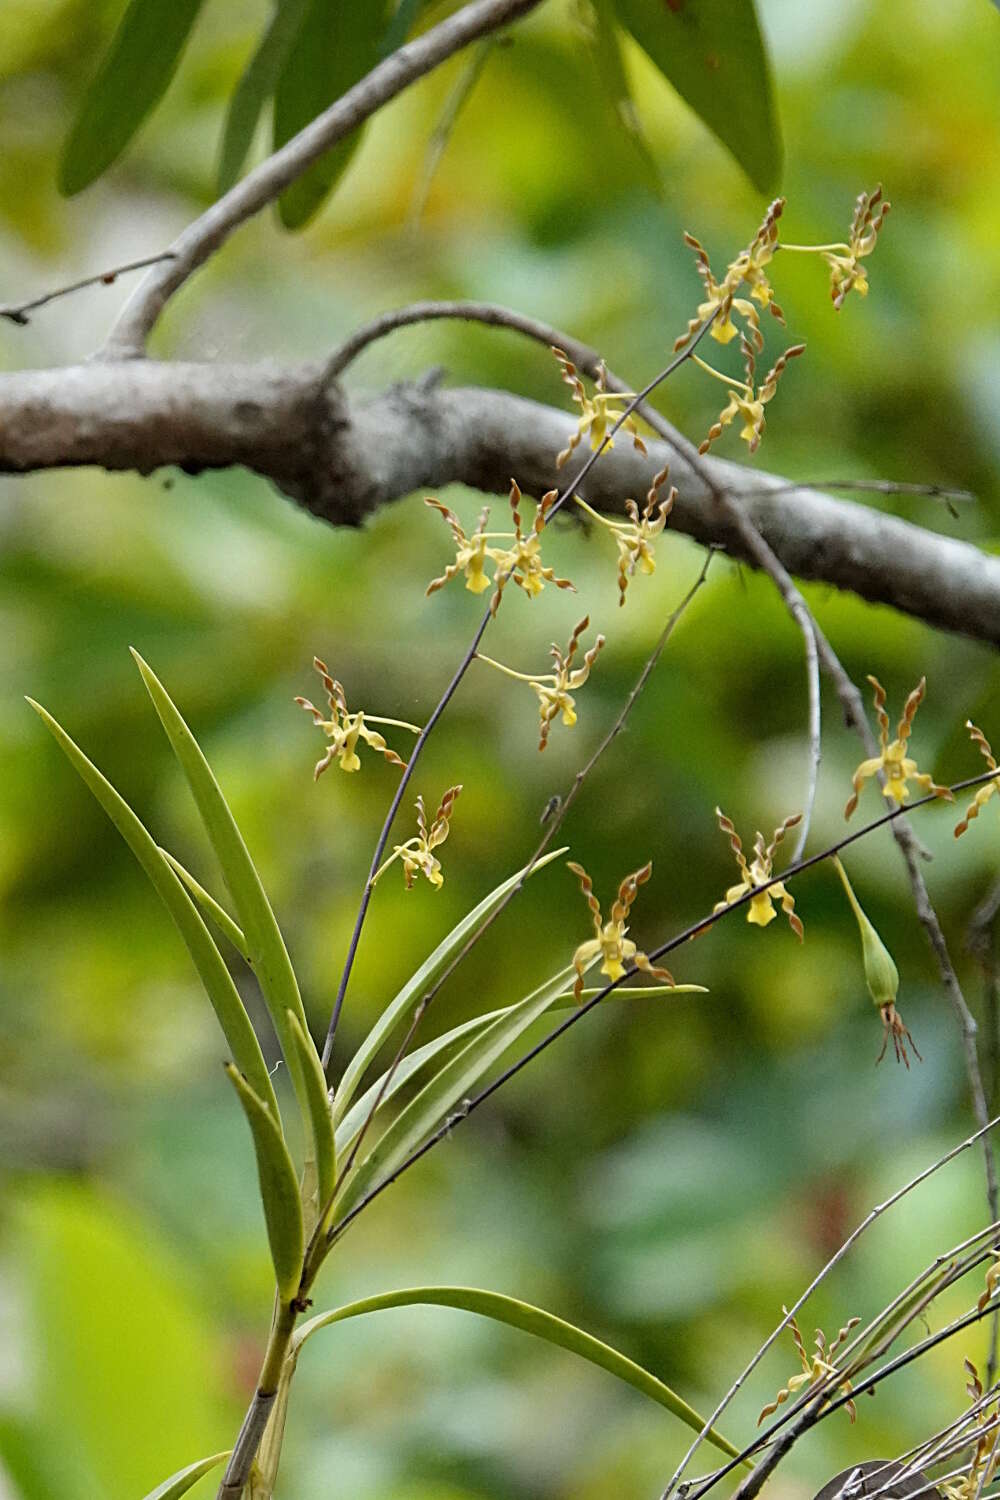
(344, 729)
(598, 413)
(634, 538)
(417, 853)
(987, 789)
(892, 760)
(846, 272)
(520, 560)
(555, 689)
(610, 942)
(721, 300)
(757, 873)
(816, 1367)
(746, 400)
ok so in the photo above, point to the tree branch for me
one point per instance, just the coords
(342, 459)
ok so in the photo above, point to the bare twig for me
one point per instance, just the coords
(18, 312)
(835, 1259)
(268, 181)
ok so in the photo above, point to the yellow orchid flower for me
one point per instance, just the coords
(892, 759)
(720, 296)
(610, 942)
(598, 413)
(345, 729)
(816, 1367)
(761, 909)
(417, 853)
(634, 537)
(846, 272)
(472, 553)
(986, 1454)
(555, 689)
(987, 789)
(522, 561)
(746, 400)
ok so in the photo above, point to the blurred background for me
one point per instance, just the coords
(674, 1170)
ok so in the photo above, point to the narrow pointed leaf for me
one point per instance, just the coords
(319, 1110)
(267, 951)
(529, 1319)
(399, 28)
(178, 1484)
(429, 972)
(279, 1188)
(423, 1056)
(131, 81)
(215, 977)
(209, 905)
(256, 87)
(336, 45)
(713, 53)
(445, 1089)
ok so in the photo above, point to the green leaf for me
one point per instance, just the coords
(266, 947)
(255, 88)
(208, 904)
(178, 1484)
(399, 28)
(132, 80)
(529, 1319)
(337, 44)
(219, 986)
(607, 53)
(429, 1108)
(319, 1111)
(429, 972)
(279, 1188)
(713, 53)
(422, 1056)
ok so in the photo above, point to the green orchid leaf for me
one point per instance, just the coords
(279, 1188)
(215, 977)
(529, 1319)
(256, 87)
(131, 81)
(399, 28)
(266, 947)
(178, 1484)
(209, 905)
(421, 1057)
(336, 45)
(429, 972)
(319, 1110)
(713, 54)
(422, 1114)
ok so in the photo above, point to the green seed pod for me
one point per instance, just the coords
(881, 974)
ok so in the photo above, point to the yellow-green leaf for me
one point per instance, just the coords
(209, 905)
(266, 946)
(131, 81)
(178, 1484)
(215, 977)
(713, 54)
(529, 1319)
(255, 87)
(319, 1110)
(279, 1189)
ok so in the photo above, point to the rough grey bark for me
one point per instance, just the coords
(343, 457)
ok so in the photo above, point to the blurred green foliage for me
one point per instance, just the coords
(671, 1173)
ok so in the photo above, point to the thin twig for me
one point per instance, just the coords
(17, 312)
(849, 1243)
(268, 181)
